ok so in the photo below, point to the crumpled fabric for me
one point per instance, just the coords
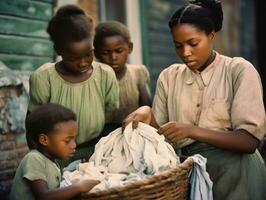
(121, 158)
(87, 171)
(201, 184)
(136, 150)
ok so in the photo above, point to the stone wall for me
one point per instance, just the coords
(13, 108)
(13, 145)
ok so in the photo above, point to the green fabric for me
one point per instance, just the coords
(235, 176)
(34, 166)
(88, 99)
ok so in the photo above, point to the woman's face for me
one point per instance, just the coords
(114, 51)
(77, 57)
(192, 45)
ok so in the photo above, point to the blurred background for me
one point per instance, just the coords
(25, 45)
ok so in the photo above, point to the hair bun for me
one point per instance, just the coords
(215, 7)
(70, 10)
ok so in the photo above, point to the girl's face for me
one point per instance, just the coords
(61, 142)
(114, 51)
(77, 57)
(192, 45)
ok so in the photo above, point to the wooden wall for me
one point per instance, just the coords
(24, 43)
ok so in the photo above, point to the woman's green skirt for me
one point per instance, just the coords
(235, 176)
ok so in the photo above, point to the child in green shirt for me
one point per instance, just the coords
(53, 129)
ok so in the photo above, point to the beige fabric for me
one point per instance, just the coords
(226, 95)
(135, 78)
(89, 99)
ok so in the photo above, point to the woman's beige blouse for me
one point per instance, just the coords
(227, 95)
(88, 99)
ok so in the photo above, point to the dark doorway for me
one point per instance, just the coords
(261, 42)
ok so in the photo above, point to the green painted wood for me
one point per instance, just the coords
(23, 27)
(46, 1)
(158, 50)
(21, 62)
(28, 9)
(26, 46)
(24, 43)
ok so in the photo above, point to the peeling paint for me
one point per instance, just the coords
(16, 112)
(14, 98)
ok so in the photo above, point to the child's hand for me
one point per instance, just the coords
(87, 185)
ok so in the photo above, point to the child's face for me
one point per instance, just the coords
(77, 56)
(61, 143)
(114, 51)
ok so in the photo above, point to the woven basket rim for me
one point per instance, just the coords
(180, 169)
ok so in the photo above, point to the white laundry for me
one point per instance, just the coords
(136, 150)
(121, 158)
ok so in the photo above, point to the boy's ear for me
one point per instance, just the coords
(130, 45)
(43, 139)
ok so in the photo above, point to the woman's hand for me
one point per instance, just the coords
(142, 114)
(175, 131)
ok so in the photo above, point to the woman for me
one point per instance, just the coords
(211, 105)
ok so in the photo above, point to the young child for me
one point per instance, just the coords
(112, 46)
(86, 87)
(53, 129)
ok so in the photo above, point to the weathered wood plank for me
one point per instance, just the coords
(24, 27)
(20, 62)
(26, 46)
(28, 9)
(46, 1)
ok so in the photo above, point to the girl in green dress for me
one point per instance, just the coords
(211, 105)
(77, 82)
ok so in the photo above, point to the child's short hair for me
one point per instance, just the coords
(70, 23)
(107, 29)
(44, 119)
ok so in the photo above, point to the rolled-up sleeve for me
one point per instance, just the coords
(247, 110)
(39, 89)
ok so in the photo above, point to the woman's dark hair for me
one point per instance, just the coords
(206, 15)
(70, 24)
(108, 29)
(44, 119)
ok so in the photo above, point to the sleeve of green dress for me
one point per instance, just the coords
(247, 110)
(34, 169)
(39, 89)
(112, 91)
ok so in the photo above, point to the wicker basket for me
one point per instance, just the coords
(171, 184)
